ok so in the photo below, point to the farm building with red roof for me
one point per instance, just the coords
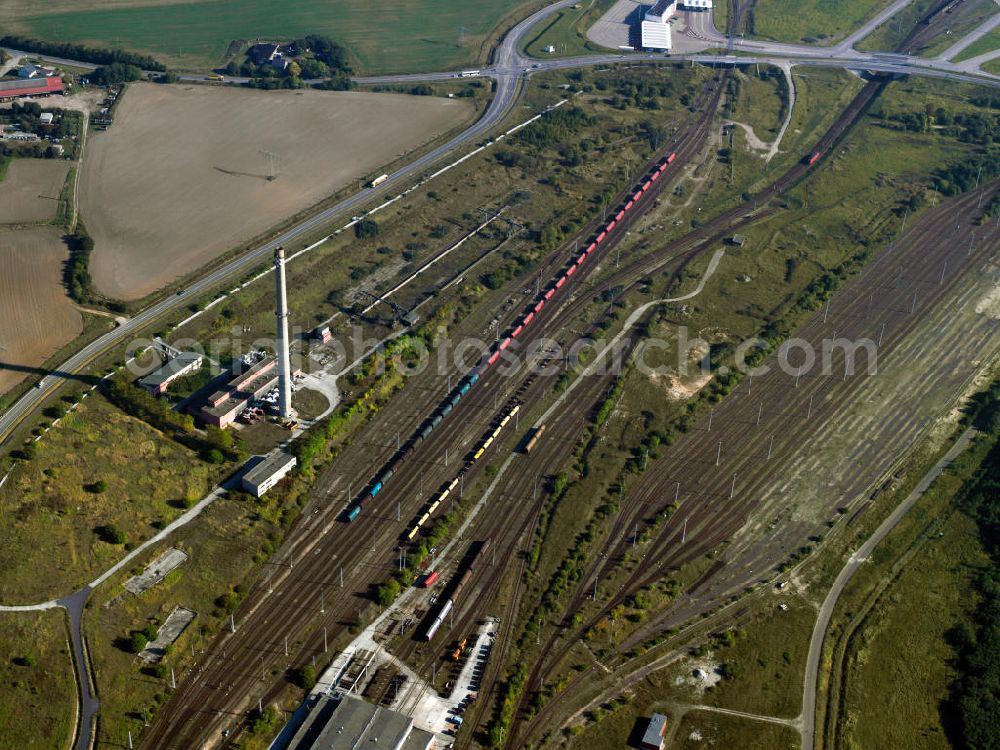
(30, 87)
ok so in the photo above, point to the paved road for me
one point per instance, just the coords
(854, 562)
(89, 705)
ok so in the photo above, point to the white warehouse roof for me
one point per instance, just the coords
(695, 4)
(266, 471)
(655, 35)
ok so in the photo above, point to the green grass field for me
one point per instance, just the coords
(691, 729)
(699, 729)
(900, 660)
(760, 103)
(398, 37)
(48, 546)
(891, 654)
(38, 699)
(225, 544)
(815, 21)
(567, 30)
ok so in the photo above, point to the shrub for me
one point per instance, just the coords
(264, 722)
(366, 229)
(137, 641)
(111, 534)
(305, 677)
(214, 456)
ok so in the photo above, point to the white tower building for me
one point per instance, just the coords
(281, 313)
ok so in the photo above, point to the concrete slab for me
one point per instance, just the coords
(156, 571)
(169, 632)
(694, 31)
(614, 28)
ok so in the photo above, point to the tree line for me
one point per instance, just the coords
(215, 446)
(76, 271)
(975, 696)
(81, 52)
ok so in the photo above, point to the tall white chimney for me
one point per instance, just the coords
(281, 313)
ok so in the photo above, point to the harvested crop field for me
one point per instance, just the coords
(30, 191)
(182, 176)
(38, 316)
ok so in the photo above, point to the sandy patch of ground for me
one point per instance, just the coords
(752, 140)
(30, 191)
(989, 304)
(84, 100)
(37, 316)
(181, 177)
(700, 674)
(683, 386)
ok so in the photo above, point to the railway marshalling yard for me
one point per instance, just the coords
(641, 542)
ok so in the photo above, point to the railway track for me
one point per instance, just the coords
(703, 239)
(223, 687)
(708, 510)
(302, 587)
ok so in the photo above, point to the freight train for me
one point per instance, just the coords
(449, 487)
(531, 312)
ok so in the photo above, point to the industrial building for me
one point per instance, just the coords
(652, 739)
(222, 407)
(266, 471)
(265, 374)
(694, 4)
(654, 29)
(343, 722)
(30, 87)
(159, 379)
